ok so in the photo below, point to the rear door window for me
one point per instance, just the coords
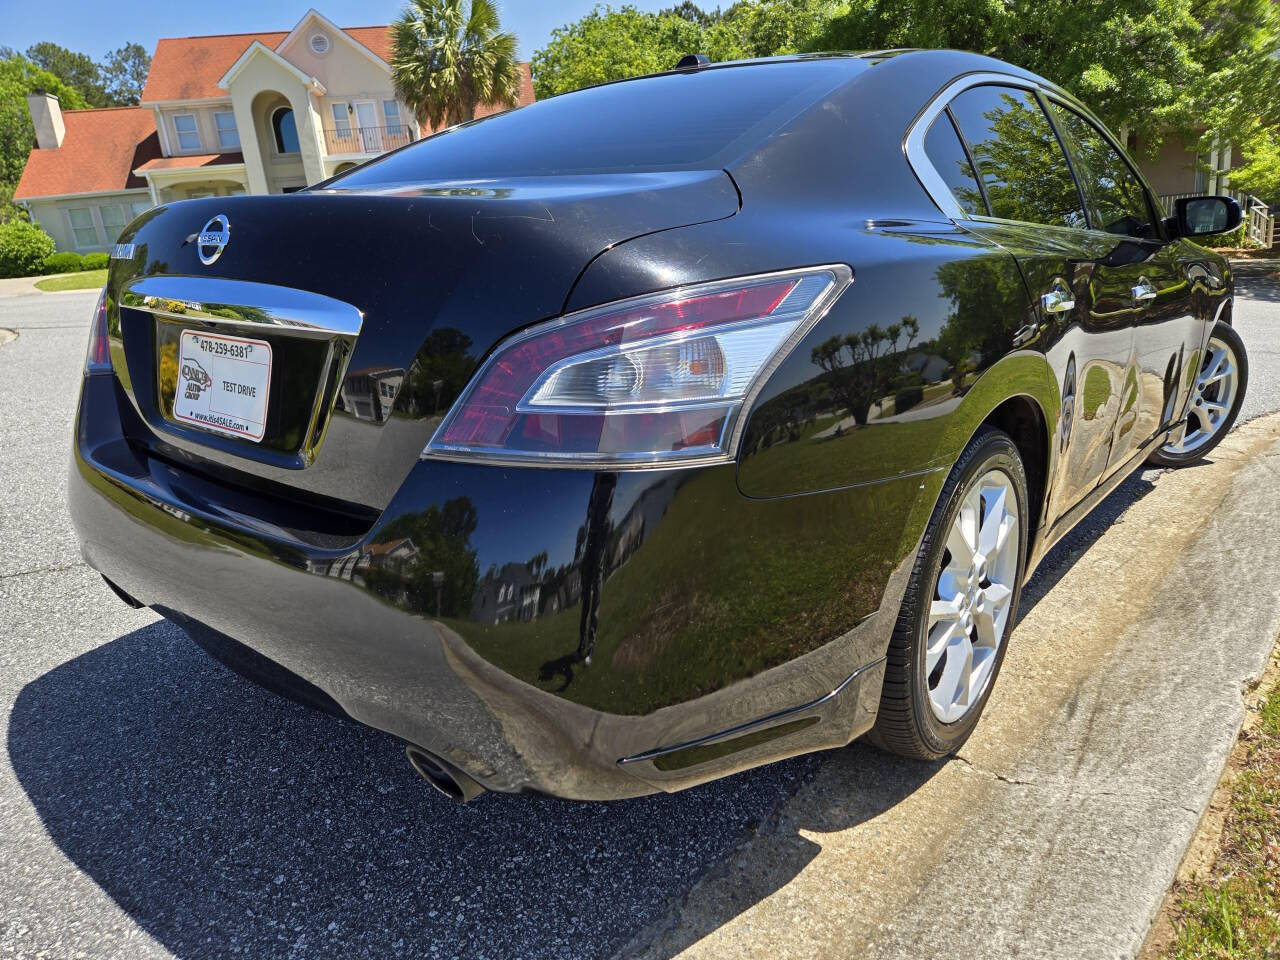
(1117, 200)
(1024, 172)
(947, 154)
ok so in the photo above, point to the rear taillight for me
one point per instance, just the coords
(98, 359)
(661, 378)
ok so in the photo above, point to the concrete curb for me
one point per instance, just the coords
(1059, 829)
(26, 286)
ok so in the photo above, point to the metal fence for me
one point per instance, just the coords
(1259, 221)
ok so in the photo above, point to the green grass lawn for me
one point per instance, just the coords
(1234, 911)
(86, 280)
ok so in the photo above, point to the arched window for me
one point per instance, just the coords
(285, 130)
(343, 168)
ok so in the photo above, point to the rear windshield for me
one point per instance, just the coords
(683, 121)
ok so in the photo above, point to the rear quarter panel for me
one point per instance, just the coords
(900, 373)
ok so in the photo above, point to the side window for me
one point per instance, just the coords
(946, 153)
(82, 227)
(112, 220)
(1022, 166)
(228, 136)
(1116, 198)
(188, 135)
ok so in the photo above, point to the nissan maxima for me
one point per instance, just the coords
(654, 431)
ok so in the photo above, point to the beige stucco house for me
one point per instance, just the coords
(220, 115)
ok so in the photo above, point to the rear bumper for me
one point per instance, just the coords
(485, 696)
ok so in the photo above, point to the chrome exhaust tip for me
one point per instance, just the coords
(442, 775)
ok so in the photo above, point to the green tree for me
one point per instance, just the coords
(694, 13)
(441, 537)
(18, 77)
(76, 70)
(124, 73)
(450, 56)
(1260, 174)
(1142, 64)
(609, 44)
(767, 28)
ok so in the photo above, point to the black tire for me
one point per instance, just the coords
(906, 724)
(1163, 457)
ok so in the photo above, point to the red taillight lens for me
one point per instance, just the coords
(98, 359)
(657, 378)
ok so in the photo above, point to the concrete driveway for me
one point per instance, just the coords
(153, 804)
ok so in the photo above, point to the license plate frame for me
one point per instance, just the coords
(223, 384)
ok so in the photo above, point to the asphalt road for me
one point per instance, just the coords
(154, 804)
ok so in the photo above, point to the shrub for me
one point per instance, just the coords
(907, 398)
(96, 261)
(63, 263)
(23, 248)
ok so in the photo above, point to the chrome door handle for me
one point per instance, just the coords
(1144, 290)
(1057, 300)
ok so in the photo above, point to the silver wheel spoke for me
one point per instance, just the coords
(992, 520)
(1210, 409)
(954, 684)
(1220, 372)
(973, 594)
(999, 595)
(939, 641)
(1212, 397)
(943, 610)
(962, 540)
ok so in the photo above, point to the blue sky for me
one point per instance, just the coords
(94, 26)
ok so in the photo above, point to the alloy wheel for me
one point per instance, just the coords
(1212, 398)
(969, 614)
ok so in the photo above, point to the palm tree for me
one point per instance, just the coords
(451, 56)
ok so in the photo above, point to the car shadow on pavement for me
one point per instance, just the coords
(1059, 560)
(224, 819)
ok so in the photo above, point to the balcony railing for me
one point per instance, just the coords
(366, 139)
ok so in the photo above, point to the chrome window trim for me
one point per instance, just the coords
(213, 300)
(913, 142)
(1058, 100)
(936, 187)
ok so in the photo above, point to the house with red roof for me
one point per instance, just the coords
(219, 115)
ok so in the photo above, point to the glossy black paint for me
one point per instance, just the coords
(605, 634)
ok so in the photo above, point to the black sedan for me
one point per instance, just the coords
(658, 430)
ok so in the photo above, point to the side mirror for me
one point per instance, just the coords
(1202, 216)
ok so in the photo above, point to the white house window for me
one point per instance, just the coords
(285, 130)
(82, 228)
(228, 136)
(112, 221)
(391, 113)
(188, 135)
(341, 120)
(319, 44)
(139, 207)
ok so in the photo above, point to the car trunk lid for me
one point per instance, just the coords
(365, 312)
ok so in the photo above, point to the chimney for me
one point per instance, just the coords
(46, 114)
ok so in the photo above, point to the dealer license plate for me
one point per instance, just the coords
(223, 383)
